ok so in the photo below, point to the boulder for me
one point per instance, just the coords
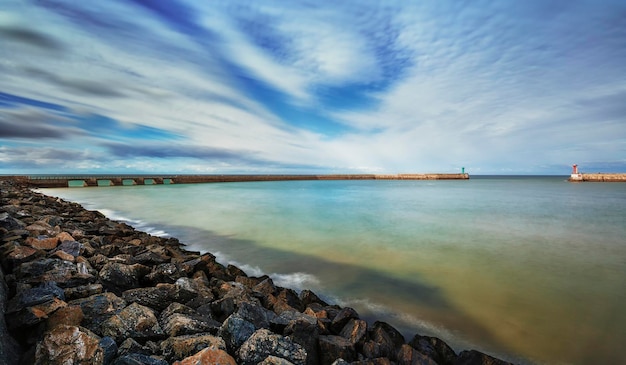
(434, 348)
(71, 315)
(69, 345)
(342, 318)
(389, 339)
(130, 346)
(355, 331)
(109, 347)
(407, 355)
(42, 242)
(136, 321)
(256, 314)
(473, 357)
(180, 347)
(20, 254)
(82, 291)
(306, 334)
(208, 356)
(235, 331)
(9, 349)
(98, 308)
(264, 343)
(165, 273)
(335, 347)
(139, 359)
(45, 292)
(119, 277)
(274, 360)
(70, 247)
(153, 297)
(178, 319)
(307, 297)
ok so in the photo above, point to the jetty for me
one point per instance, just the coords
(58, 181)
(577, 176)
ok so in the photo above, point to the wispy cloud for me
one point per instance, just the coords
(394, 87)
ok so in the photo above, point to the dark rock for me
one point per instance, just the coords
(109, 347)
(119, 277)
(9, 223)
(274, 360)
(9, 349)
(307, 297)
(473, 357)
(178, 319)
(434, 348)
(279, 323)
(235, 331)
(180, 347)
(306, 334)
(40, 294)
(234, 271)
(69, 345)
(372, 350)
(389, 338)
(149, 258)
(355, 331)
(82, 291)
(376, 361)
(98, 308)
(71, 247)
(33, 315)
(335, 347)
(209, 356)
(136, 321)
(130, 346)
(165, 273)
(20, 254)
(264, 343)
(153, 297)
(407, 355)
(342, 318)
(250, 282)
(256, 314)
(266, 287)
(139, 359)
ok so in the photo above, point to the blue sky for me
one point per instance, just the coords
(497, 87)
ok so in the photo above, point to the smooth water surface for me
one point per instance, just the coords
(531, 269)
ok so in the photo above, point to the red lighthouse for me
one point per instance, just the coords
(575, 176)
(574, 169)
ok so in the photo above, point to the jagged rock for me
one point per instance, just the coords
(208, 356)
(149, 258)
(82, 291)
(9, 348)
(376, 361)
(250, 282)
(130, 346)
(434, 348)
(286, 300)
(307, 297)
(306, 334)
(30, 297)
(178, 319)
(71, 315)
(64, 273)
(278, 323)
(407, 355)
(153, 297)
(473, 357)
(165, 273)
(235, 331)
(20, 254)
(9, 223)
(69, 345)
(62, 255)
(139, 359)
(335, 347)
(274, 360)
(70, 247)
(98, 308)
(372, 350)
(180, 347)
(265, 287)
(256, 314)
(389, 338)
(264, 343)
(355, 331)
(64, 236)
(119, 277)
(342, 318)
(109, 347)
(136, 321)
(42, 242)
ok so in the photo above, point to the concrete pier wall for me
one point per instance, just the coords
(600, 177)
(62, 182)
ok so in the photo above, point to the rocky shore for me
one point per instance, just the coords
(78, 288)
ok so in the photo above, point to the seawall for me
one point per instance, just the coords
(599, 177)
(57, 181)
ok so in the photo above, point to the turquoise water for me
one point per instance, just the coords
(532, 269)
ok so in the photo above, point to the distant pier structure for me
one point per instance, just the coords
(577, 176)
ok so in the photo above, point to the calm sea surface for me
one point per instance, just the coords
(531, 269)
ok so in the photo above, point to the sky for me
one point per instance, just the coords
(212, 87)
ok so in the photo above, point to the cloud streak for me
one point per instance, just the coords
(358, 86)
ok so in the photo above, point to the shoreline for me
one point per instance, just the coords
(61, 263)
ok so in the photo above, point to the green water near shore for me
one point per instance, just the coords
(531, 269)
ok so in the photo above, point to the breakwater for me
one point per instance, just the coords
(599, 177)
(80, 288)
(57, 181)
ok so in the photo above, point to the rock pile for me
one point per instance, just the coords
(78, 288)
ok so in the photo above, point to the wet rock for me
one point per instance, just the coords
(180, 347)
(134, 321)
(389, 338)
(335, 347)
(434, 348)
(250, 282)
(98, 308)
(178, 319)
(235, 331)
(256, 314)
(264, 343)
(306, 334)
(208, 356)
(278, 323)
(153, 297)
(69, 345)
(355, 331)
(473, 357)
(286, 300)
(109, 348)
(307, 297)
(342, 318)
(265, 287)
(119, 277)
(139, 359)
(407, 355)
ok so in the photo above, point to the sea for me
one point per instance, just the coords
(530, 269)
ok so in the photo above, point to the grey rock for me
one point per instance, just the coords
(136, 321)
(335, 347)
(235, 331)
(264, 343)
(434, 348)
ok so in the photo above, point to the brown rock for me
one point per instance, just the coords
(44, 243)
(71, 315)
(63, 256)
(208, 356)
(180, 347)
(473, 357)
(69, 345)
(355, 331)
(64, 236)
(134, 321)
(407, 355)
(335, 347)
